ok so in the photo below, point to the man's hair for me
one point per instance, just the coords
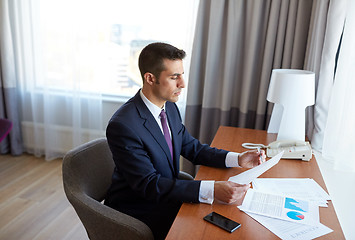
(152, 56)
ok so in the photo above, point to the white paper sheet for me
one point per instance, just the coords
(280, 207)
(251, 174)
(303, 188)
(291, 231)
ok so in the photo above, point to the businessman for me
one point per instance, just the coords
(146, 137)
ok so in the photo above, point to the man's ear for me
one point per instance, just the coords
(149, 78)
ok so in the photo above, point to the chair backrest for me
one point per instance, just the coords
(87, 175)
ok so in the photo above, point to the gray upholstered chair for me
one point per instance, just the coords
(87, 172)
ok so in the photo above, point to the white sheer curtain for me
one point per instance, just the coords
(339, 136)
(334, 132)
(76, 62)
(58, 76)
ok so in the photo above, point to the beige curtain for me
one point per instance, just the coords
(237, 44)
(315, 45)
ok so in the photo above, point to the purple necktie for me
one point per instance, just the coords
(166, 132)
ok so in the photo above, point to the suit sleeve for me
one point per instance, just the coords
(197, 153)
(202, 154)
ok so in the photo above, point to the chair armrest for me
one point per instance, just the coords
(185, 176)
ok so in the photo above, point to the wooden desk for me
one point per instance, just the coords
(189, 223)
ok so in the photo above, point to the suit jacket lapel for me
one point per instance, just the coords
(151, 125)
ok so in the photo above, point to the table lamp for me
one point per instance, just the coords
(292, 91)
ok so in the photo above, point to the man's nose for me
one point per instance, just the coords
(181, 83)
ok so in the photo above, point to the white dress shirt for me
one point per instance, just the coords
(206, 194)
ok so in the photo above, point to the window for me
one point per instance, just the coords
(93, 45)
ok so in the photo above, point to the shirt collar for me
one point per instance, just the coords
(154, 109)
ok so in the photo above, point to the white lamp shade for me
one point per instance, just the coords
(288, 85)
(292, 91)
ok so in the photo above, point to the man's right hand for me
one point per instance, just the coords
(229, 192)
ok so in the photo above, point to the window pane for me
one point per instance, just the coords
(94, 45)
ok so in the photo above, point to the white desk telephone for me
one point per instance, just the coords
(293, 149)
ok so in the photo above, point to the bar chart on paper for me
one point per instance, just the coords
(297, 205)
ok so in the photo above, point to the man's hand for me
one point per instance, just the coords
(229, 192)
(252, 158)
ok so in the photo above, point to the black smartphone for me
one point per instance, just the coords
(222, 222)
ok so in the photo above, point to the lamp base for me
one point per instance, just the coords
(288, 123)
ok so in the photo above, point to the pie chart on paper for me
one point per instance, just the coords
(295, 215)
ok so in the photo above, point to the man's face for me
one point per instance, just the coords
(170, 82)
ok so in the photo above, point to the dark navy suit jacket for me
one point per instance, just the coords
(145, 182)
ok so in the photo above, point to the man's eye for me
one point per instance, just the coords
(174, 78)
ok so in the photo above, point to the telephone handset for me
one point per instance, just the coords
(293, 149)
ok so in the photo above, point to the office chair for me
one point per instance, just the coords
(87, 172)
(5, 128)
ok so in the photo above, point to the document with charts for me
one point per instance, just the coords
(304, 188)
(280, 207)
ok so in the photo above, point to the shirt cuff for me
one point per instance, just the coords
(206, 192)
(232, 159)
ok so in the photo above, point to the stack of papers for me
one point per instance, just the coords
(277, 205)
(303, 188)
(288, 207)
